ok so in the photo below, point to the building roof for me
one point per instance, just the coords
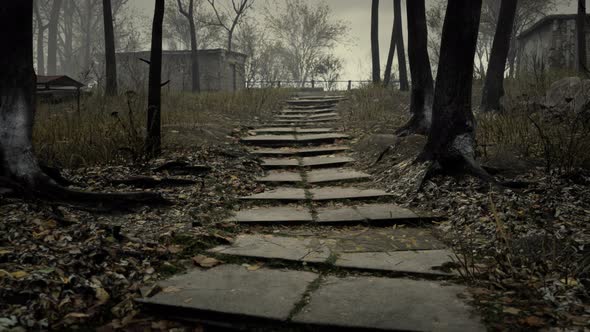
(182, 52)
(547, 20)
(59, 81)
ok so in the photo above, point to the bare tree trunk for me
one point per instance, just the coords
(451, 142)
(375, 41)
(109, 46)
(52, 38)
(401, 50)
(389, 65)
(41, 27)
(154, 136)
(19, 169)
(422, 82)
(493, 88)
(189, 14)
(581, 37)
(67, 66)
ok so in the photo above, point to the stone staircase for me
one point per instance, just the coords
(362, 264)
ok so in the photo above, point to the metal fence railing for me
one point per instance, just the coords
(314, 84)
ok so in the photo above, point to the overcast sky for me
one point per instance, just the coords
(357, 54)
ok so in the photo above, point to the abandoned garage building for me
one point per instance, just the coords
(220, 70)
(550, 44)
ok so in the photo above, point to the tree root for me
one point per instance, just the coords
(150, 182)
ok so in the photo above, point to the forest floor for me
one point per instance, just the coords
(526, 251)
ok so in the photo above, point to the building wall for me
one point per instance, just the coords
(551, 46)
(216, 69)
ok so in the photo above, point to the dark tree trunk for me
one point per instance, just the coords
(375, 41)
(451, 142)
(189, 14)
(493, 88)
(154, 136)
(581, 37)
(19, 169)
(68, 66)
(41, 27)
(401, 50)
(52, 38)
(389, 65)
(422, 82)
(109, 47)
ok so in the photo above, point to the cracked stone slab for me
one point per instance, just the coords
(325, 161)
(269, 139)
(280, 162)
(281, 177)
(323, 150)
(386, 240)
(389, 304)
(379, 213)
(280, 194)
(321, 137)
(335, 175)
(417, 262)
(231, 290)
(273, 215)
(339, 193)
(344, 215)
(277, 247)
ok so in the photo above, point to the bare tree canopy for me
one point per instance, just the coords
(229, 19)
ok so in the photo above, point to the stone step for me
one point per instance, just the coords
(305, 162)
(304, 122)
(291, 130)
(279, 194)
(314, 177)
(307, 151)
(281, 177)
(273, 215)
(310, 102)
(317, 194)
(308, 111)
(280, 163)
(301, 117)
(289, 140)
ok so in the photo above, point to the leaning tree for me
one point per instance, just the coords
(451, 142)
(493, 88)
(153, 141)
(20, 170)
(422, 83)
(397, 43)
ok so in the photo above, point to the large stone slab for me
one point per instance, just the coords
(281, 177)
(232, 291)
(385, 240)
(388, 304)
(269, 139)
(413, 262)
(274, 130)
(337, 216)
(302, 122)
(339, 193)
(325, 161)
(323, 115)
(315, 138)
(280, 162)
(306, 151)
(308, 111)
(280, 194)
(313, 102)
(335, 175)
(313, 130)
(273, 215)
(277, 247)
(381, 213)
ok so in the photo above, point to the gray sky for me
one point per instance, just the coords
(357, 13)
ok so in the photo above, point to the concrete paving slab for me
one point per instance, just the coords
(388, 304)
(325, 161)
(307, 151)
(280, 194)
(343, 215)
(310, 102)
(277, 247)
(291, 116)
(335, 175)
(281, 177)
(385, 240)
(232, 290)
(279, 162)
(274, 130)
(273, 215)
(326, 115)
(340, 193)
(309, 122)
(308, 111)
(308, 138)
(269, 139)
(416, 262)
(314, 130)
(380, 213)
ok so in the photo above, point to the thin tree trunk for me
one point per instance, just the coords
(68, 66)
(451, 142)
(41, 27)
(422, 82)
(581, 37)
(195, 72)
(401, 50)
(375, 41)
(109, 43)
(493, 88)
(154, 136)
(52, 38)
(389, 65)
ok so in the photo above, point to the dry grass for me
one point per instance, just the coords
(111, 130)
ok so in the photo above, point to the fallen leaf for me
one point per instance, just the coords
(77, 315)
(171, 289)
(254, 267)
(205, 261)
(102, 295)
(19, 274)
(511, 311)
